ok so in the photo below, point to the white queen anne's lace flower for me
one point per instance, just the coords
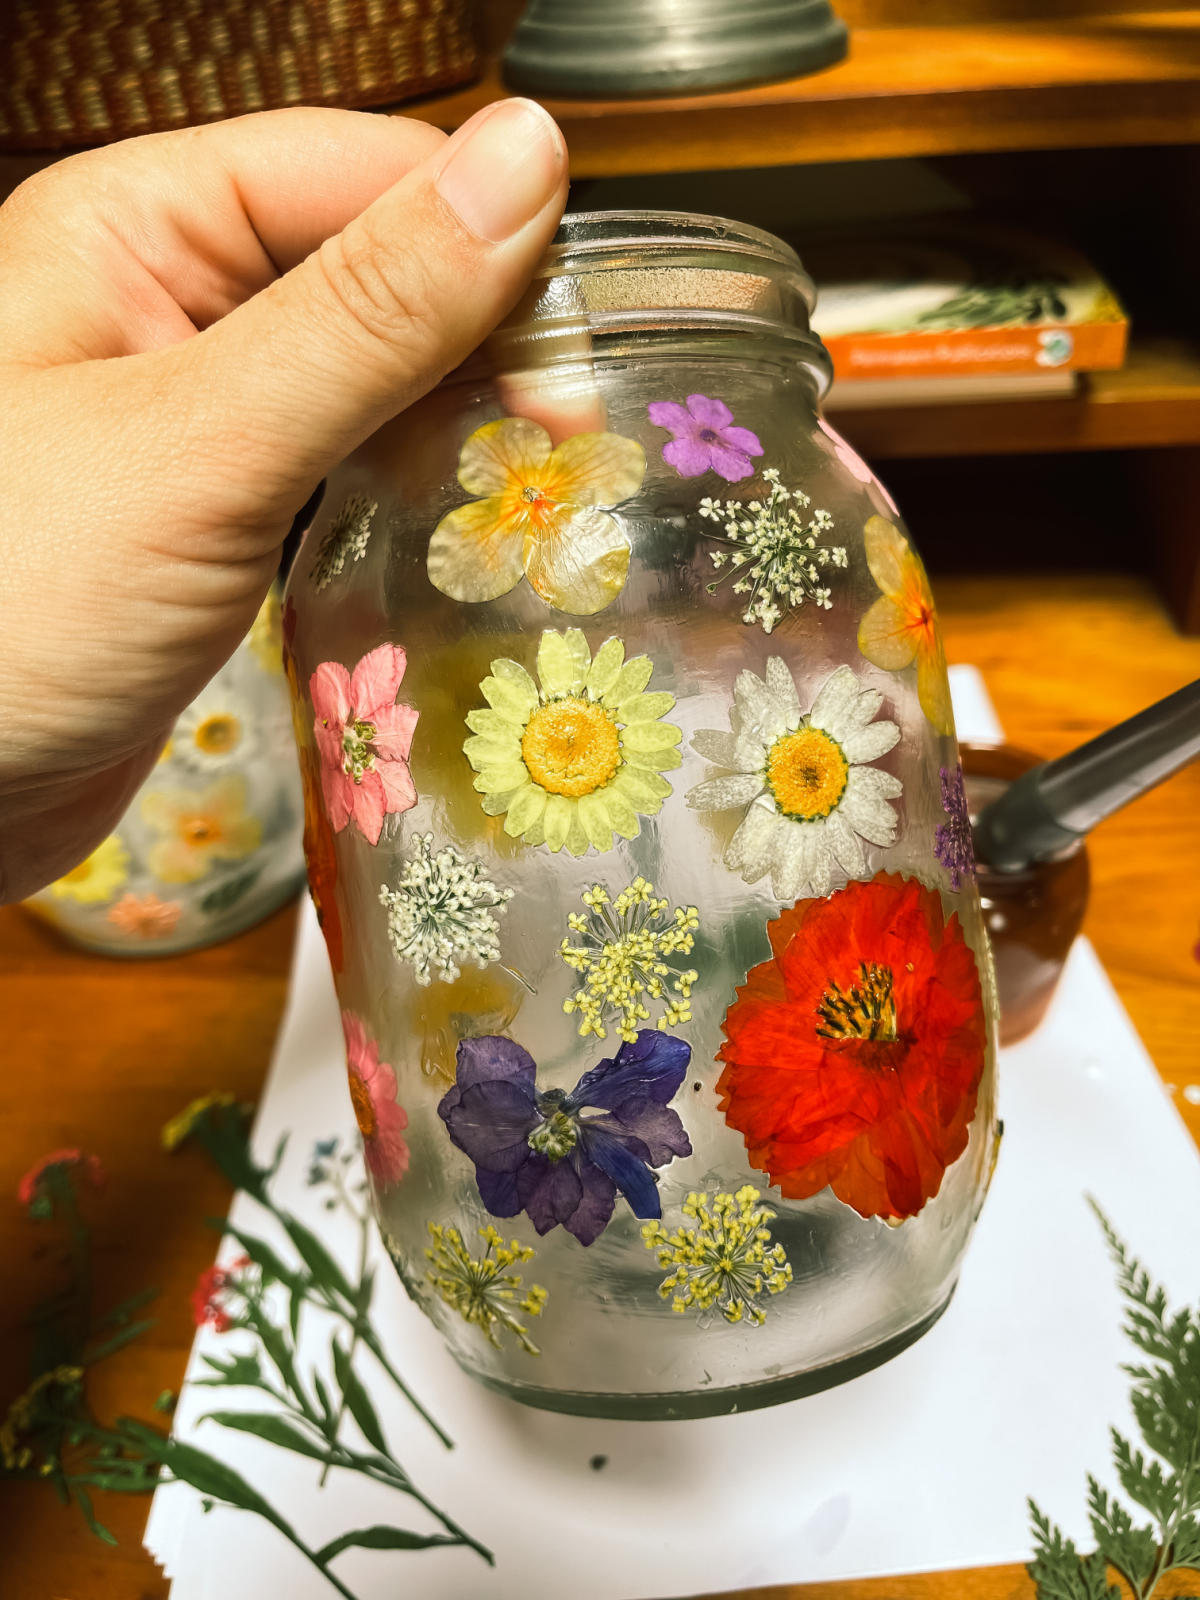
(808, 793)
(441, 909)
(775, 551)
(347, 536)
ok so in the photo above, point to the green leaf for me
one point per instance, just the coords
(89, 1516)
(229, 893)
(317, 1259)
(323, 1399)
(121, 1313)
(1059, 1571)
(357, 1400)
(122, 1337)
(265, 1258)
(380, 1538)
(204, 1472)
(269, 1425)
(238, 1371)
(1132, 1551)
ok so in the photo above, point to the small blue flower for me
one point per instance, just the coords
(535, 1151)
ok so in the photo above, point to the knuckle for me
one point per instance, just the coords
(386, 292)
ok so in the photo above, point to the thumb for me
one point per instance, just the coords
(373, 319)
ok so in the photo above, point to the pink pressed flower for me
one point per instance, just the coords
(364, 738)
(373, 1094)
(147, 917)
(704, 438)
(94, 1172)
(855, 465)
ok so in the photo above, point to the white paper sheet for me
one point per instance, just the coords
(924, 1463)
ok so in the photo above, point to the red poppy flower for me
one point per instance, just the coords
(854, 1056)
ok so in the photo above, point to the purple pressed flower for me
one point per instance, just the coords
(535, 1151)
(704, 439)
(952, 842)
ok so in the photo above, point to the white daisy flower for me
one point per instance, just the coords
(211, 734)
(810, 796)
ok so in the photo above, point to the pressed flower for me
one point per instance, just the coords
(98, 878)
(855, 465)
(22, 1415)
(180, 1126)
(803, 778)
(538, 517)
(346, 539)
(774, 551)
(479, 1288)
(727, 1261)
(902, 626)
(210, 734)
(627, 951)
(705, 438)
(576, 761)
(853, 1056)
(373, 1095)
(952, 843)
(442, 908)
(364, 738)
(319, 853)
(208, 1308)
(265, 639)
(198, 830)
(475, 1003)
(535, 1151)
(90, 1166)
(146, 916)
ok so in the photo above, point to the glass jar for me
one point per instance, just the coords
(638, 829)
(211, 843)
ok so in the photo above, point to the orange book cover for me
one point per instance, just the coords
(958, 299)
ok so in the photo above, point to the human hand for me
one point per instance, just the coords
(194, 328)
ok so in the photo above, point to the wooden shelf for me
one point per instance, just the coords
(1103, 80)
(1154, 400)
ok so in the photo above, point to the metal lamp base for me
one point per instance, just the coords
(635, 49)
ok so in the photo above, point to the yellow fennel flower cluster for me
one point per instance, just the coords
(479, 1289)
(727, 1262)
(628, 948)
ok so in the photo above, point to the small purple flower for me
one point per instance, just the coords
(952, 843)
(535, 1152)
(704, 439)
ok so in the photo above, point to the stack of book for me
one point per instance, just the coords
(941, 311)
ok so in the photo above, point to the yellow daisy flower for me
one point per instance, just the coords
(576, 761)
(98, 878)
(199, 829)
(538, 518)
(265, 638)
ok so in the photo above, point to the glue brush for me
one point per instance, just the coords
(1054, 805)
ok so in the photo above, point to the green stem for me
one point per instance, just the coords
(362, 1271)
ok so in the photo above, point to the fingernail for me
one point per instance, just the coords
(506, 167)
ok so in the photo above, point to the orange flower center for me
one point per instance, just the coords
(917, 609)
(806, 773)
(537, 506)
(199, 831)
(218, 735)
(570, 747)
(364, 1111)
(867, 1010)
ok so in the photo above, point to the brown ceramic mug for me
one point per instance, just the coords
(1032, 916)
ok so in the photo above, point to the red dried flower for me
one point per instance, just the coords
(206, 1306)
(854, 1056)
(92, 1170)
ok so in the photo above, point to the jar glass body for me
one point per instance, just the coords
(211, 843)
(771, 909)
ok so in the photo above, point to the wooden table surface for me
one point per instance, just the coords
(100, 1053)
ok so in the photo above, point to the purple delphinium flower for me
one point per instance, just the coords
(952, 842)
(704, 438)
(533, 1149)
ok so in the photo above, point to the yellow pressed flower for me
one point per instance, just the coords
(98, 878)
(199, 829)
(265, 638)
(181, 1125)
(902, 626)
(538, 517)
(575, 761)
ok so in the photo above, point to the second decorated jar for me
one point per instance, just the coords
(636, 827)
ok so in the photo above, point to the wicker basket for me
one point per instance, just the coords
(88, 72)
